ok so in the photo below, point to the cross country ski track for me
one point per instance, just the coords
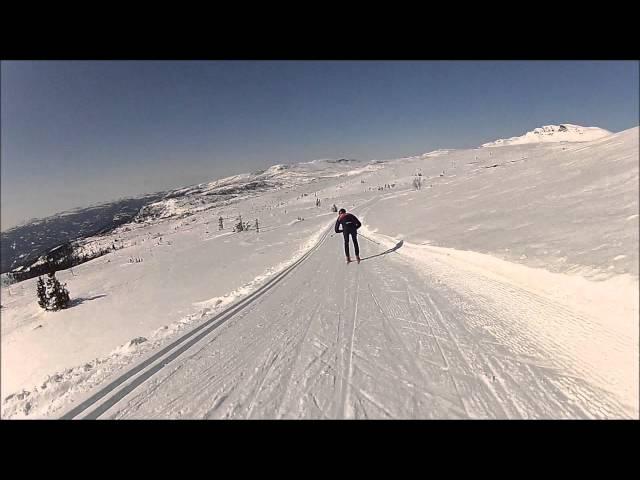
(379, 340)
(117, 389)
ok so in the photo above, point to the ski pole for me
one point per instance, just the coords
(372, 241)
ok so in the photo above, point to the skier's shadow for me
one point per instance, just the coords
(79, 301)
(391, 250)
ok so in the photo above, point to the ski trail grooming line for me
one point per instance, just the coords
(165, 356)
(347, 390)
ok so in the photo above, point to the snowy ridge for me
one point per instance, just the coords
(435, 153)
(565, 132)
(230, 190)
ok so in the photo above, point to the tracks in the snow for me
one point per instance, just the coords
(383, 341)
(115, 391)
(347, 382)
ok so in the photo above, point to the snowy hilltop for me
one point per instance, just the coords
(554, 133)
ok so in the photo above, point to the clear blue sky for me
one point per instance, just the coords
(81, 132)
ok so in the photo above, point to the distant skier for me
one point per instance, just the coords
(350, 225)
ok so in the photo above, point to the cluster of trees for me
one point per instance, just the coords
(244, 226)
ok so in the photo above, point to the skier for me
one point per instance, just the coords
(350, 225)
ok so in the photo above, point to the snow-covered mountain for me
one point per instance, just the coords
(565, 132)
(23, 244)
(513, 295)
(229, 190)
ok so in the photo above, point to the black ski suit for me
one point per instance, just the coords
(350, 225)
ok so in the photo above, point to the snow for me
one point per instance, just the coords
(602, 312)
(554, 133)
(513, 294)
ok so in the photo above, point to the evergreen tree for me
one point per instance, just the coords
(41, 290)
(57, 294)
(62, 298)
(50, 288)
